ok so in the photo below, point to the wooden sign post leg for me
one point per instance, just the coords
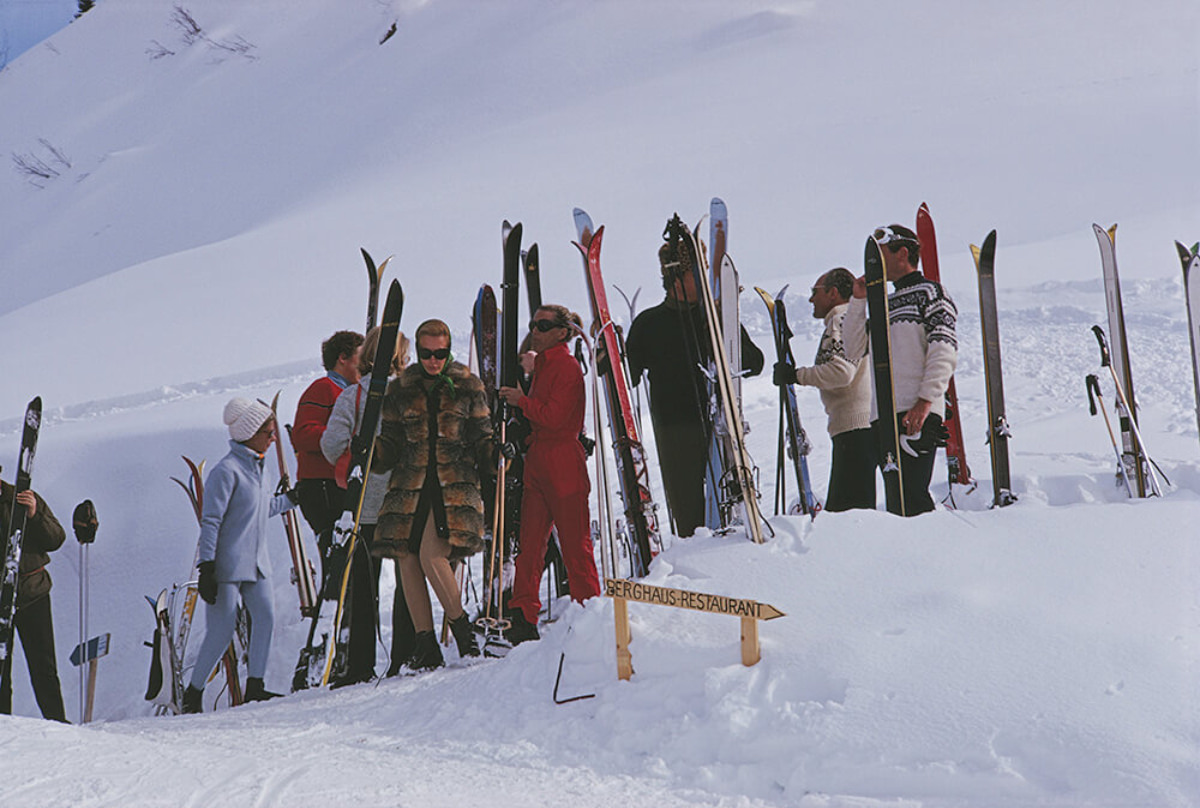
(624, 657)
(91, 690)
(750, 649)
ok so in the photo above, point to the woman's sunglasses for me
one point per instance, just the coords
(429, 353)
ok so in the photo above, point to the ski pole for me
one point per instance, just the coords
(1093, 390)
(84, 522)
(1141, 454)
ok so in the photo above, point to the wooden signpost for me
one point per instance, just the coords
(622, 591)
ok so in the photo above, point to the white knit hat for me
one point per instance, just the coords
(244, 417)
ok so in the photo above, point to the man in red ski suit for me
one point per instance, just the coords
(556, 480)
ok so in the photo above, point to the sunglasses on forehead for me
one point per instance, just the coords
(430, 353)
(544, 325)
(887, 237)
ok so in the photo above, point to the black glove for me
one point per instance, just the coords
(293, 495)
(932, 435)
(589, 445)
(208, 582)
(360, 445)
(785, 373)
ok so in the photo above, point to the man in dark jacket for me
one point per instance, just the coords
(43, 534)
(670, 344)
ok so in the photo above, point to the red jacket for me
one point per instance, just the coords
(312, 414)
(556, 461)
(556, 401)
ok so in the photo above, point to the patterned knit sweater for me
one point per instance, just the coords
(924, 347)
(841, 378)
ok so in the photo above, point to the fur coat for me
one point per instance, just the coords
(459, 422)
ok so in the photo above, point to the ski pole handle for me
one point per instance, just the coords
(84, 521)
(1093, 390)
(1105, 359)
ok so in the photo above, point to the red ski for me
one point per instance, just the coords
(956, 452)
(631, 455)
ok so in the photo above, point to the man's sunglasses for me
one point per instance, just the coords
(429, 353)
(544, 325)
(887, 237)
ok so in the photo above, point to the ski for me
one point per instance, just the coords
(1142, 458)
(881, 359)
(360, 469)
(508, 428)
(303, 574)
(1190, 259)
(641, 520)
(738, 487)
(14, 531)
(724, 289)
(956, 451)
(374, 279)
(533, 278)
(1118, 344)
(555, 566)
(998, 431)
(792, 437)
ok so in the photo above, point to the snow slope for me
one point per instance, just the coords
(204, 239)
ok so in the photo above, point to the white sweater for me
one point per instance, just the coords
(924, 347)
(841, 378)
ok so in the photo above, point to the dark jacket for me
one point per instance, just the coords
(662, 342)
(43, 535)
(417, 410)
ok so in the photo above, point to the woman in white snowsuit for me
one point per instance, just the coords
(233, 549)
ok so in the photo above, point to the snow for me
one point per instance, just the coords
(204, 240)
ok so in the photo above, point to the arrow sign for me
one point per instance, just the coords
(684, 599)
(94, 648)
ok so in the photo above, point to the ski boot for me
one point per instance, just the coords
(256, 691)
(521, 629)
(193, 700)
(464, 636)
(427, 656)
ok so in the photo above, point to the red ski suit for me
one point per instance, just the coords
(556, 483)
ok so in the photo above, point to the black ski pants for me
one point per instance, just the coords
(852, 473)
(683, 459)
(917, 473)
(35, 627)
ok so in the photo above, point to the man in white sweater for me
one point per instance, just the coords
(846, 393)
(921, 329)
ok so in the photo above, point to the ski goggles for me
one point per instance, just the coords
(544, 325)
(886, 237)
(430, 353)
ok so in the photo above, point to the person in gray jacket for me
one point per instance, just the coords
(233, 549)
(341, 428)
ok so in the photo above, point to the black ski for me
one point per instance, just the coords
(998, 431)
(881, 359)
(360, 472)
(374, 278)
(793, 439)
(15, 530)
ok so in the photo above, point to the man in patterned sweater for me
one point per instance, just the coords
(846, 393)
(921, 321)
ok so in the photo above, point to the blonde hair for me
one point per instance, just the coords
(432, 328)
(366, 360)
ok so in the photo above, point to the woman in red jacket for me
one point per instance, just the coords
(556, 481)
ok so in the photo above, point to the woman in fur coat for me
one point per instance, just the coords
(436, 440)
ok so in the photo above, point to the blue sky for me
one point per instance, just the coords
(25, 23)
